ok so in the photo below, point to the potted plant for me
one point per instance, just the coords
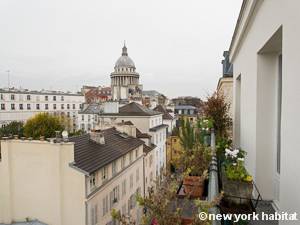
(237, 182)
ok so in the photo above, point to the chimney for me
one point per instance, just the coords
(97, 137)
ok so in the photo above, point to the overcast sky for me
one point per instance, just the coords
(176, 45)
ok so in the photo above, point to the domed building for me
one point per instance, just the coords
(125, 80)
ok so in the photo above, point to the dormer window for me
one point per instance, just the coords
(104, 173)
(92, 181)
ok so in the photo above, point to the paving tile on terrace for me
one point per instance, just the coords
(266, 207)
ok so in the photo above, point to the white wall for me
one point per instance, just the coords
(258, 102)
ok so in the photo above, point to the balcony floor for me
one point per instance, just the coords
(267, 208)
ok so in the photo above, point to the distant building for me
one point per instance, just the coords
(168, 119)
(76, 181)
(87, 119)
(153, 98)
(187, 112)
(226, 81)
(98, 94)
(148, 121)
(125, 80)
(21, 104)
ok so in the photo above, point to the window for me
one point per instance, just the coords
(54, 106)
(21, 106)
(28, 97)
(54, 98)
(123, 161)
(2, 97)
(12, 97)
(104, 173)
(74, 106)
(82, 117)
(114, 167)
(12, 106)
(37, 106)
(28, 106)
(62, 98)
(151, 160)
(46, 106)
(92, 181)
(131, 181)
(124, 209)
(130, 157)
(124, 187)
(116, 195)
(136, 153)
(68, 106)
(62, 106)
(105, 205)
(89, 118)
(46, 98)
(151, 176)
(2, 106)
(94, 216)
(137, 173)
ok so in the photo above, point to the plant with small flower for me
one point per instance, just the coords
(234, 165)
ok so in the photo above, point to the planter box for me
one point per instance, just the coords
(237, 192)
(193, 186)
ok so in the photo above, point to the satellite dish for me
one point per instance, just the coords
(65, 134)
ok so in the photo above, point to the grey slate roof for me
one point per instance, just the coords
(185, 107)
(91, 156)
(134, 109)
(93, 108)
(147, 148)
(166, 114)
(158, 127)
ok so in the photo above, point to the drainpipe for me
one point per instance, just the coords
(213, 185)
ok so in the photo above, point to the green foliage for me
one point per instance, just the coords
(204, 128)
(234, 165)
(187, 135)
(196, 161)
(43, 124)
(13, 128)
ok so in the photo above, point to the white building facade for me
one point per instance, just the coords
(147, 121)
(20, 105)
(265, 53)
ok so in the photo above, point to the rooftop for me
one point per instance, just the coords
(41, 92)
(93, 108)
(134, 109)
(166, 114)
(91, 156)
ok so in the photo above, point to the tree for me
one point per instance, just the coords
(187, 135)
(43, 124)
(217, 109)
(13, 128)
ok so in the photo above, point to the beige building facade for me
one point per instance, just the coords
(78, 181)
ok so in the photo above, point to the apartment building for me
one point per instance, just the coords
(265, 54)
(21, 104)
(168, 119)
(147, 121)
(74, 181)
(87, 119)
